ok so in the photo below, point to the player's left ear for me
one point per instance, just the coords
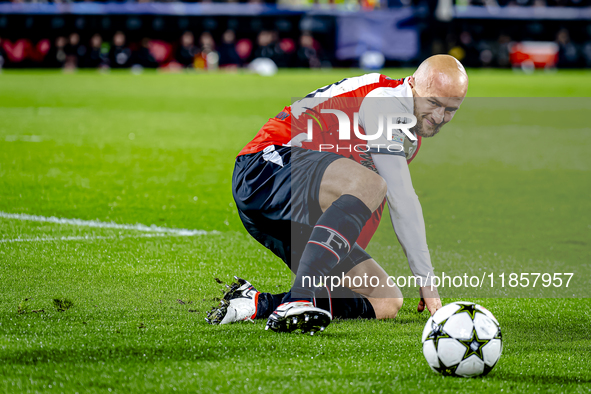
(411, 81)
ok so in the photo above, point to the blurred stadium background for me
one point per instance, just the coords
(209, 35)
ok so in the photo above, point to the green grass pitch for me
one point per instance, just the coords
(158, 149)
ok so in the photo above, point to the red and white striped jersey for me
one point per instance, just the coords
(289, 127)
(351, 96)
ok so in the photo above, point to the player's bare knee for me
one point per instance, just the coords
(387, 308)
(394, 306)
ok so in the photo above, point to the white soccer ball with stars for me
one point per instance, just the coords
(462, 339)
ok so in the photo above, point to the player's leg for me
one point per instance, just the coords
(387, 300)
(345, 176)
(348, 194)
(355, 292)
(355, 289)
(262, 191)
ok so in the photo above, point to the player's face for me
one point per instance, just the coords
(433, 113)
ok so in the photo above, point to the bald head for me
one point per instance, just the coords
(440, 76)
(438, 86)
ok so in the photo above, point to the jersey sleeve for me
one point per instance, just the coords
(406, 215)
(382, 109)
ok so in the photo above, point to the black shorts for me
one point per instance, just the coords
(277, 196)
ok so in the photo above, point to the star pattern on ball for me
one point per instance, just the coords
(437, 333)
(473, 345)
(470, 309)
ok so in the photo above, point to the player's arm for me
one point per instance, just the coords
(407, 219)
(405, 210)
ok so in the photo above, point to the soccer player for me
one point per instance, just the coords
(313, 193)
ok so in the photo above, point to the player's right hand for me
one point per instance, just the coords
(429, 299)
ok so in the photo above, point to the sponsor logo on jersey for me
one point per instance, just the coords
(397, 138)
(282, 115)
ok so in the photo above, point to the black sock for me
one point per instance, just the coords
(332, 238)
(267, 303)
(344, 303)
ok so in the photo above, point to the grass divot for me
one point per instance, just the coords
(62, 305)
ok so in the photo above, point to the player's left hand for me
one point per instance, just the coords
(430, 299)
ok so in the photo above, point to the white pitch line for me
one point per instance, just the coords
(83, 238)
(98, 224)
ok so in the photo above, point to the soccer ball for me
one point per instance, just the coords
(462, 339)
